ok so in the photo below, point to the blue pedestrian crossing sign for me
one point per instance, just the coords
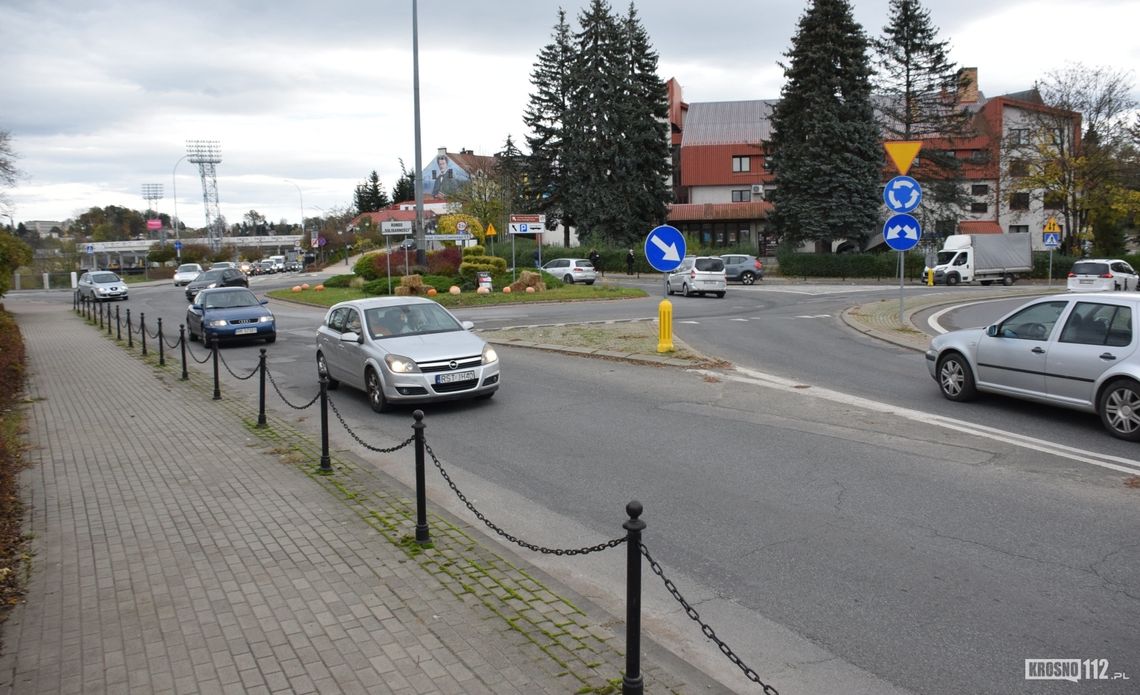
(902, 232)
(1051, 240)
(178, 246)
(664, 248)
(902, 194)
(90, 248)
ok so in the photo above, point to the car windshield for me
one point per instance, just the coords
(709, 265)
(584, 264)
(229, 299)
(1089, 268)
(104, 277)
(188, 268)
(409, 319)
(210, 276)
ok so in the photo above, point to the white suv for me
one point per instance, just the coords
(1102, 274)
(698, 275)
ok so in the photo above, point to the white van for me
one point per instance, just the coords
(278, 263)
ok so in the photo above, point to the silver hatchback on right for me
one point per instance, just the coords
(1102, 274)
(1077, 351)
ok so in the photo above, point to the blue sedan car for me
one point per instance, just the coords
(230, 313)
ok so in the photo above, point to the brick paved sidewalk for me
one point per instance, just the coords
(178, 549)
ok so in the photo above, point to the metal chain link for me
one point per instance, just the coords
(517, 541)
(195, 357)
(174, 344)
(239, 378)
(361, 442)
(705, 628)
(282, 395)
(152, 335)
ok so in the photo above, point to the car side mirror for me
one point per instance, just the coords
(992, 331)
(351, 337)
(264, 302)
(467, 325)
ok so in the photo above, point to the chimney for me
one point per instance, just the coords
(442, 152)
(968, 86)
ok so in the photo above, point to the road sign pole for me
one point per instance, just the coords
(902, 266)
(1050, 283)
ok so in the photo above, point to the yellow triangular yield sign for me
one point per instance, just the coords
(1052, 226)
(490, 229)
(902, 153)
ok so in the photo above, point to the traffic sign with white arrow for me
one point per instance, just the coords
(902, 194)
(664, 248)
(901, 232)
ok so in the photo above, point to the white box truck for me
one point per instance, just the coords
(983, 258)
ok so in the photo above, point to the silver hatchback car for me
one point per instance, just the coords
(101, 285)
(698, 275)
(1076, 350)
(404, 350)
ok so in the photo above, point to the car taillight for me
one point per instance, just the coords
(759, 265)
(1107, 276)
(1072, 274)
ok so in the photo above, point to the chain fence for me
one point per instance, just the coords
(174, 344)
(517, 541)
(361, 442)
(194, 357)
(256, 369)
(282, 395)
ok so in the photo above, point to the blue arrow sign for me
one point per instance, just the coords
(902, 194)
(664, 248)
(1051, 240)
(902, 232)
(178, 246)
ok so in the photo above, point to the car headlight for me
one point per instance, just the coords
(218, 323)
(489, 355)
(265, 319)
(398, 364)
(211, 286)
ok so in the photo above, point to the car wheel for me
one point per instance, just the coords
(952, 279)
(1119, 408)
(1008, 280)
(190, 332)
(685, 290)
(323, 370)
(375, 390)
(747, 277)
(955, 378)
(720, 295)
(986, 283)
(271, 339)
(668, 289)
(589, 282)
(568, 279)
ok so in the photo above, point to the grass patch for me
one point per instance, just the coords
(569, 293)
(14, 557)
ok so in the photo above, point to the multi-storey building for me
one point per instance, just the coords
(722, 179)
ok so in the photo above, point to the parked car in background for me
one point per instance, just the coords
(245, 267)
(101, 285)
(1102, 274)
(743, 268)
(230, 313)
(226, 277)
(697, 275)
(186, 273)
(404, 350)
(571, 270)
(293, 266)
(222, 265)
(1076, 351)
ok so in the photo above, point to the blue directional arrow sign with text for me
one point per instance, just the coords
(664, 248)
(902, 232)
(902, 194)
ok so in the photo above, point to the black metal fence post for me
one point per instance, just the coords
(130, 331)
(100, 316)
(261, 422)
(632, 682)
(109, 331)
(118, 325)
(142, 331)
(326, 462)
(217, 384)
(182, 346)
(423, 535)
(161, 345)
(75, 301)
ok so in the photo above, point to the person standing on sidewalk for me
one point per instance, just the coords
(596, 261)
(629, 262)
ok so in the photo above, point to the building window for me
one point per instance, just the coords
(1018, 229)
(1019, 201)
(1019, 136)
(979, 207)
(741, 164)
(744, 196)
(980, 189)
(1018, 167)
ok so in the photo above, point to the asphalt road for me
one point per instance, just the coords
(820, 505)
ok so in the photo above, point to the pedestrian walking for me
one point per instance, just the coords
(596, 261)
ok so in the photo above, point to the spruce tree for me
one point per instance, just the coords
(826, 152)
(545, 118)
(918, 91)
(405, 188)
(370, 195)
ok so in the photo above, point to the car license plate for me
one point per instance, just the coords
(454, 377)
(245, 331)
(1086, 282)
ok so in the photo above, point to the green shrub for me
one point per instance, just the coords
(339, 280)
(441, 283)
(377, 287)
(474, 251)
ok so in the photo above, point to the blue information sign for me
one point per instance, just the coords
(178, 246)
(902, 232)
(664, 248)
(902, 194)
(90, 248)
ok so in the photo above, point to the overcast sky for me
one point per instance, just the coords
(100, 96)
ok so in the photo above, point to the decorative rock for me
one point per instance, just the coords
(483, 290)
(507, 289)
(295, 288)
(432, 292)
(305, 286)
(319, 288)
(530, 290)
(454, 289)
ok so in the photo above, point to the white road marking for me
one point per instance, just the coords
(750, 376)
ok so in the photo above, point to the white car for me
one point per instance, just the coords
(1075, 350)
(186, 274)
(698, 275)
(404, 350)
(1102, 274)
(571, 270)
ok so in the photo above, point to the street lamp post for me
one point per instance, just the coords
(174, 185)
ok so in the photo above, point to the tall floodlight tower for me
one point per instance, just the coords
(206, 154)
(152, 193)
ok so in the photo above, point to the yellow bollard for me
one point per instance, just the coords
(930, 277)
(665, 326)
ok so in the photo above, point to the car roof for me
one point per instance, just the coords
(382, 302)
